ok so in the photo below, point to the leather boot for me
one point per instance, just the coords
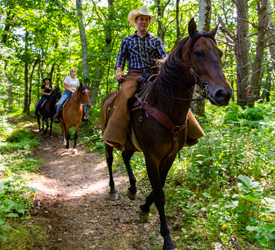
(85, 117)
(56, 117)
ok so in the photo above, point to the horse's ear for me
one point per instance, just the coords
(192, 28)
(213, 32)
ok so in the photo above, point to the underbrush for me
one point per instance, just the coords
(220, 192)
(16, 160)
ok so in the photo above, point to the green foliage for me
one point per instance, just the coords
(14, 200)
(16, 147)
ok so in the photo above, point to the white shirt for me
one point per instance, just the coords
(71, 82)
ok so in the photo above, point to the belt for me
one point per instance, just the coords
(142, 71)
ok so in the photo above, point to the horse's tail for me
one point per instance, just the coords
(106, 110)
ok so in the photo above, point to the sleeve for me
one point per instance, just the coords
(161, 49)
(122, 55)
(66, 80)
(77, 82)
(43, 86)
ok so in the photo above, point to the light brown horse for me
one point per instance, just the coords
(194, 60)
(72, 113)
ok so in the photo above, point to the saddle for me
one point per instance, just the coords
(42, 104)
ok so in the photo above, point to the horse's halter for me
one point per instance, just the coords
(82, 101)
(201, 83)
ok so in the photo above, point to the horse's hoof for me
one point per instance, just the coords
(144, 217)
(74, 151)
(168, 243)
(113, 197)
(130, 195)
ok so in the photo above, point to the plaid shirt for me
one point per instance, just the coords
(140, 51)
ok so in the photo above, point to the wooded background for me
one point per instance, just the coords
(47, 38)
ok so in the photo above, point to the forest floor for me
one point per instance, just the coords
(73, 203)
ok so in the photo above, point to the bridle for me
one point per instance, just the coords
(198, 80)
(81, 98)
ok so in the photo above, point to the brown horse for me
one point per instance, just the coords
(194, 60)
(72, 113)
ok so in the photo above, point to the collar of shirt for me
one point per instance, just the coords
(147, 35)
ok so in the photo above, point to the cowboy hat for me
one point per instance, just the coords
(47, 78)
(143, 11)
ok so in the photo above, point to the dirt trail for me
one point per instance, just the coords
(73, 199)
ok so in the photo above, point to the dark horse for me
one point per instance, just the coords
(48, 110)
(194, 60)
(72, 113)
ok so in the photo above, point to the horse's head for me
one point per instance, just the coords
(84, 94)
(205, 65)
(57, 92)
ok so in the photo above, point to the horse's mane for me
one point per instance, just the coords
(172, 73)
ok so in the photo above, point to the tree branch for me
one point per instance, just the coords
(226, 31)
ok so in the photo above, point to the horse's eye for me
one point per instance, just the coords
(198, 54)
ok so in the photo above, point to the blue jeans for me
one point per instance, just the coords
(65, 95)
(42, 99)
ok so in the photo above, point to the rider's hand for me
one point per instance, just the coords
(160, 61)
(120, 77)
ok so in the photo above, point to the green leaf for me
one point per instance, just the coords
(2, 221)
(263, 241)
(251, 197)
(269, 227)
(251, 228)
(12, 215)
(247, 185)
(8, 204)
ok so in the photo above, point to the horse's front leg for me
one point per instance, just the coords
(47, 124)
(67, 135)
(156, 179)
(75, 137)
(62, 125)
(51, 127)
(113, 195)
(38, 121)
(126, 155)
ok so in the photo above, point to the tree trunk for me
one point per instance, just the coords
(267, 86)
(108, 40)
(51, 72)
(85, 64)
(242, 52)
(178, 21)
(10, 85)
(26, 96)
(203, 25)
(263, 22)
(270, 33)
(5, 33)
(160, 20)
(30, 85)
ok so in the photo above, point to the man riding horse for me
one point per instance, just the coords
(142, 51)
